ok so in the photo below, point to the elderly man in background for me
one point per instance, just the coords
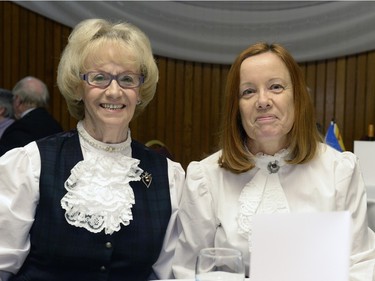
(6, 110)
(30, 102)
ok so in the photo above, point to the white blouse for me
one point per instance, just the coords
(19, 196)
(217, 205)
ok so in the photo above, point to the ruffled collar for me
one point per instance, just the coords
(271, 163)
(99, 196)
(263, 193)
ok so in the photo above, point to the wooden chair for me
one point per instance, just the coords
(160, 147)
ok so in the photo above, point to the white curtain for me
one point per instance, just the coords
(216, 31)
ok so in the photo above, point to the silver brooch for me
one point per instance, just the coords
(273, 167)
(146, 179)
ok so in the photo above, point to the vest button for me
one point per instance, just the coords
(108, 245)
(103, 268)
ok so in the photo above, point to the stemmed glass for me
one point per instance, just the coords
(216, 264)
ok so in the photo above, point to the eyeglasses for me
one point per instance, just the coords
(126, 80)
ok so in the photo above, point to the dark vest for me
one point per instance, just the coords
(60, 251)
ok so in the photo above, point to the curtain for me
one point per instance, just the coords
(216, 31)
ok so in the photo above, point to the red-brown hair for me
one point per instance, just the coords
(304, 135)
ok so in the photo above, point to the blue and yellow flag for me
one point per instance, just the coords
(333, 137)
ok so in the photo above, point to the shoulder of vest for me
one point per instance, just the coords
(59, 138)
(142, 152)
(141, 149)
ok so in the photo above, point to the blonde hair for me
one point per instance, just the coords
(304, 135)
(86, 38)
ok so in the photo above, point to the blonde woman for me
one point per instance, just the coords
(92, 203)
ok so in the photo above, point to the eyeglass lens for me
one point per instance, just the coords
(103, 79)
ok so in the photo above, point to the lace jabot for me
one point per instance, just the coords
(263, 193)
(99, 196)
(271, 164)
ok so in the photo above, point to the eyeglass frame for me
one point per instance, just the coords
(85, 76)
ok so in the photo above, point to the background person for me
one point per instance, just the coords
(92, 203)
(272, 160)
(6, 110)
(30, 100)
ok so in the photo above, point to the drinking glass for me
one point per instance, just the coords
(217, 264)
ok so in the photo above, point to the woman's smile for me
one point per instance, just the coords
(112, 106)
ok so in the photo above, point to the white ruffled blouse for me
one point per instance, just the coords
(217, 206)
(263, 194)
(93, 201)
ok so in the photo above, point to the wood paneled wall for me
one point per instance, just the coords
(185, 112)
(344, 89)
(32, 45)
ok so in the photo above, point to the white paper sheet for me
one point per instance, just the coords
(301, 247)
(365, 151)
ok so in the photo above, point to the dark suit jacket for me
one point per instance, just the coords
(35, 125)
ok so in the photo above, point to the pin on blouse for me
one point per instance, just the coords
(273, 167)
(146, 178)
